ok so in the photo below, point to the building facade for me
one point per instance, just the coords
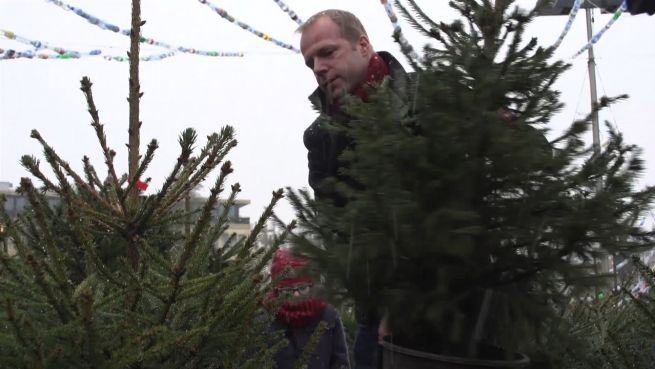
(237, 225)
(15, 203)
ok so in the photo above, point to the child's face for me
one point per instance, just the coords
(295, 292)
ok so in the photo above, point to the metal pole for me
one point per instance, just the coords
(591, 64)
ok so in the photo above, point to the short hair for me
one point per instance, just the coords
(350, 26)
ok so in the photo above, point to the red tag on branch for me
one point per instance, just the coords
(142, 186)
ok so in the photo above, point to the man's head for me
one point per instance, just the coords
(336, 48)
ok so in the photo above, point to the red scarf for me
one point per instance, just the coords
(300, 314)
(296, 314)
(377, 70)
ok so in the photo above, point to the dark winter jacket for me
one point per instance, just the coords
(325, 147)
(331, 351)
(641, 6)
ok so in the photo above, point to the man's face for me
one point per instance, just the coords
(338, 64)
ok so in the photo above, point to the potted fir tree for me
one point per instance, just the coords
(470, 231)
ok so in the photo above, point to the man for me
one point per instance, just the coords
(641, 6)
(336, 48)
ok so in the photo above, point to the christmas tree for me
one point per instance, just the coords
(611, 329)
(467, 227)
(112, 279)
(617, 328)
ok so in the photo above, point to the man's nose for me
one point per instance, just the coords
(296, 293)
(320, 68)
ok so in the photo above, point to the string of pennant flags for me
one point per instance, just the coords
(404, 44)
(13, 54)
(90, 18)
(126, 32)
(610, 23)
(62, 53)
(572, 14)
(153, 57)
(225, 15)
(6, 54)
(294, 17)
(388, 6)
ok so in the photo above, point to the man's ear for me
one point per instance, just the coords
(364, 45)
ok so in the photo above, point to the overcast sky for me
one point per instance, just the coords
(263, 94)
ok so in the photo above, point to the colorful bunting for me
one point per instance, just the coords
(154, 57)
(64, 53)
(225, 15)
(90, 18)
(569, 23)
(290, 12)
(597, 36)
(404, 44)
(13, 54)
(126, 32)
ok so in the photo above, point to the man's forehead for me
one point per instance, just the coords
(319, 46)
(316, 45)
(322, 28)
(323, 23)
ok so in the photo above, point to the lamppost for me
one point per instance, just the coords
(563, 7)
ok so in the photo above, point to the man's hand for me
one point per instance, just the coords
(383, 328)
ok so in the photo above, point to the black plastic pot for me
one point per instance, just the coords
(397, 357)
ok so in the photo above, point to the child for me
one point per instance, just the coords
(300, 314)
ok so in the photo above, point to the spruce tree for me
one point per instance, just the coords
(616, 330)
(109, 279)
(467, 225)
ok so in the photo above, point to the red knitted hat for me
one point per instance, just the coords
(298, 313)
(283, 259)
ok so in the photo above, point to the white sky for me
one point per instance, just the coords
(263, 95)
